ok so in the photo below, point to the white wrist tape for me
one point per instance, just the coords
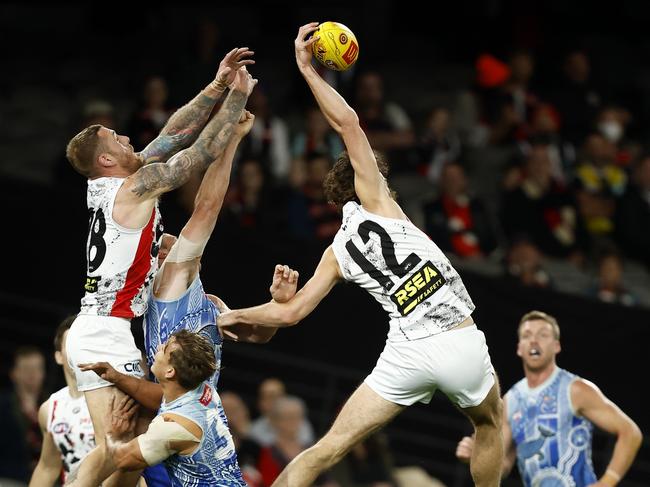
(155, 443)
(185, 250)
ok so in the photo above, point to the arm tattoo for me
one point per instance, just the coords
(181, 129)
(157, 178)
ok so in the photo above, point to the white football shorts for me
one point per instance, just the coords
(457, 362)
(93, 338)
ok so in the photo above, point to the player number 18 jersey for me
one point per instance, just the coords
(121, 262)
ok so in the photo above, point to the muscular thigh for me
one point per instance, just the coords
(364, 413)
(98, 401)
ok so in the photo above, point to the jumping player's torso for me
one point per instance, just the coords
(403, 270)
(69, 422)
(553, 443)
(214, 462)
(121, 262)
(193, 311)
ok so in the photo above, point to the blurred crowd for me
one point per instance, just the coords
(503, 172)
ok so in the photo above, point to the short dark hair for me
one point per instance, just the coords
(339, 183)
(60, 331)
(193, 360)
(82, 149)
(540, 315)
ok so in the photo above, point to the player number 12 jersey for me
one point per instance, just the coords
(403, 270)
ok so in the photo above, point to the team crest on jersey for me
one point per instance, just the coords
(425, 282)
(61, 428)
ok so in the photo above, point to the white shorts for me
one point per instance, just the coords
(109, 339)
(457, 362)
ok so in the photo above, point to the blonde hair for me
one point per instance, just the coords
(83, 148)
(540, 315)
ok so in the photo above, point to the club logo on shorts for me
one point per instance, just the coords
(206, 397)
(425, 282)
(132, 367)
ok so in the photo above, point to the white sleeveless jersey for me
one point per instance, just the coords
(69, 422)
(403, 270)
(121, 262)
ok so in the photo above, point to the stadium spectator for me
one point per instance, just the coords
(542, 209)
(317, 137)
(517, 88)
(577, 98)
(310, 215)
(524, 265)
(262, 431)
(287, 417)
(456, 221)
(599, 183)
(239, 423)
(438, 145)
(19, 416)
(152, 114)
(386, 124)
(247, 201)
(610, 287)
(544, 129)
(268, 141)
(633, 214)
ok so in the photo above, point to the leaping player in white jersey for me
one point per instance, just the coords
(432, 343)
(123, 188)
(68, 434)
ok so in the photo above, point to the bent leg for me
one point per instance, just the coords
(487, 456)
(98, 401)
(364, 413)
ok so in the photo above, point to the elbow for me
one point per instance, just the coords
(290, 317)
(636, 436)
(206, 207)
(349, 120)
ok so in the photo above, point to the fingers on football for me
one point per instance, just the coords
(307, 29)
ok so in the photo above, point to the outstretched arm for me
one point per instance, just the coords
(277, 315)
(150, 181)
(184, 126)
(369, 183)
(146, 393)
(590, 402)
(182, 265)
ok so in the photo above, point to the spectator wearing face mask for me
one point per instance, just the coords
(612, 123)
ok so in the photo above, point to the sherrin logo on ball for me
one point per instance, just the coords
(337, 47)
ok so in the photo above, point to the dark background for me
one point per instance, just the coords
(105, 50)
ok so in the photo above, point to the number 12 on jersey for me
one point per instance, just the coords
(422, 283)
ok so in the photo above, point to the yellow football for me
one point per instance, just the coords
(337, 47)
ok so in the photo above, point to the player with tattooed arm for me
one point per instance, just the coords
(124, 223)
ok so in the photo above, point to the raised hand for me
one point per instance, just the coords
(302, 46)
(245, 124)
(229, 65)
(285, 283)
(102, 369)
(121, 418)
(243, 82)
